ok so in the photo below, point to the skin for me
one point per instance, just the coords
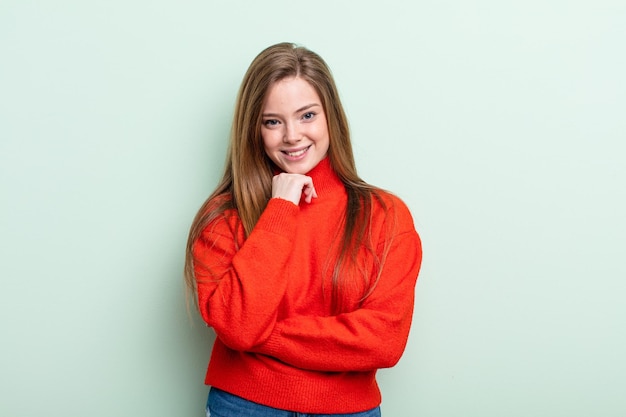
(295, 137)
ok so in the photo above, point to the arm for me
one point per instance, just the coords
(372, 337)
(240, 288)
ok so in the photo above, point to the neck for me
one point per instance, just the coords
(324, 177)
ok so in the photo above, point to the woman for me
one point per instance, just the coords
(305, 272)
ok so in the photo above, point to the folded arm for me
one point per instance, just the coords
(372, 337)
(240, 288)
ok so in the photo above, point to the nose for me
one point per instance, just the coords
(291, 134)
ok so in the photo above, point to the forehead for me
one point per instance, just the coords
(290, 93)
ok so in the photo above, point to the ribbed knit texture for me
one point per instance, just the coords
(268, 298)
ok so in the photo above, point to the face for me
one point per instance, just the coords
(294, 129)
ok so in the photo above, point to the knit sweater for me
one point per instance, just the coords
(268, 298)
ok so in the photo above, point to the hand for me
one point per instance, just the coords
(291, 187)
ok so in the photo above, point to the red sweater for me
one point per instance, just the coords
(268, 300)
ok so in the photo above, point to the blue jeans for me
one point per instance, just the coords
(223, 404)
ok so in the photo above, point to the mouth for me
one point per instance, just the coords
(296, 153)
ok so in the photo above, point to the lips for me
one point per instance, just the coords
(297, 153)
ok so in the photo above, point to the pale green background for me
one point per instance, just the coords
(501, 123)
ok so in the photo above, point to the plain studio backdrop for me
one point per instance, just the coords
(500, 123)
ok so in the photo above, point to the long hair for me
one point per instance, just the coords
(246, 184)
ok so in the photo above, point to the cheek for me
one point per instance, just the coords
(269, 139)
(321, 129)
(321, 133)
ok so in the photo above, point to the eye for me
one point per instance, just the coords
(308, 115)
(270, 122)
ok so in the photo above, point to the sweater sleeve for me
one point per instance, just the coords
(372, 337)
(238, 289)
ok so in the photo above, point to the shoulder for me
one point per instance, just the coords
(220, 217)
(390, 207)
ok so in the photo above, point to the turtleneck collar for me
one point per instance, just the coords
(324, 177)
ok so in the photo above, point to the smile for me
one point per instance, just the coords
(295, 154)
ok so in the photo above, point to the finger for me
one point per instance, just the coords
(309, 193)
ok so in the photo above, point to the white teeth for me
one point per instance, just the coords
(298, 153)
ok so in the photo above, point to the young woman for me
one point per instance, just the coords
(305, 272)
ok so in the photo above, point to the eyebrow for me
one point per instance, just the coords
(301, 109)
